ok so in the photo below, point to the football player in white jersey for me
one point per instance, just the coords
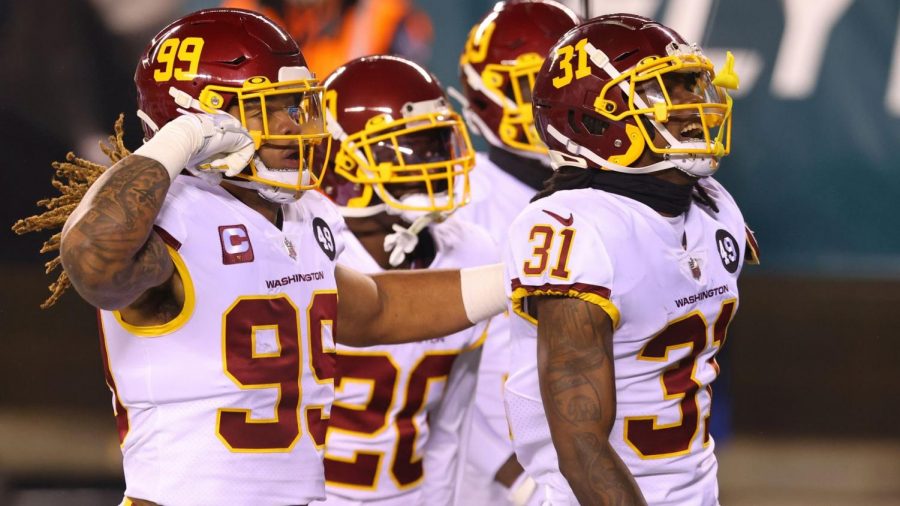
(218, 290)
(401, 158)
(502, 55)
(623, 271)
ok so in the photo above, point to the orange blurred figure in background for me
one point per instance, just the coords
(332, 32)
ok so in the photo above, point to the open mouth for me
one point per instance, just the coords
(693, 131)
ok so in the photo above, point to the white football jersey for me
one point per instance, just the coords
(387, 397)
(670, 288)
(224, 404)
(497, 198)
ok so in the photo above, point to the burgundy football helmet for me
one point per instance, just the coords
(217, 59)
(399, 144)
(617, 83)
(503, 54)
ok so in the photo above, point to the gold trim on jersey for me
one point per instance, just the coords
(425, 396)
(261, 386)
(386, 423)
(332, 348)
(353, 460)
(481, 339)
(371, 382)
(751, 254)
(114, 388)
(253, 348)
(522, 292)
(565, 252)
(718, 344)
(679, 395)
(325, 411)
(187, 309)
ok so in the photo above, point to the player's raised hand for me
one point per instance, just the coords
(227, 145)
(203, 141)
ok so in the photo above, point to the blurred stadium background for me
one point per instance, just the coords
(809, 402)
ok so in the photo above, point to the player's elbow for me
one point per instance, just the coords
(100, 292)
(361, 335)
(98, 286)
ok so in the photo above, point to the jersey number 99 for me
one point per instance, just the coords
(279, 369)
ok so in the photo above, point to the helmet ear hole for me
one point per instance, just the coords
(573, 124)
(593, 124)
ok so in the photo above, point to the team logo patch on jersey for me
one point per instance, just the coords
(324, 237)
(236, 247)
(289, 248)
(729, 250)
(694, 266)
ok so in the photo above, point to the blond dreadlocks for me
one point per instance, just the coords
(73, 179)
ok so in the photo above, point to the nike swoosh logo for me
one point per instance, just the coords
(566, 222)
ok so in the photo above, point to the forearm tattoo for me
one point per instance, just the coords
(111, 246)
(578, 388)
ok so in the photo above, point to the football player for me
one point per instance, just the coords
(401, 158)
(502, 55)
(218, 290)
(623, 271)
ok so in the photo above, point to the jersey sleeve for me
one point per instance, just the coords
(170, 223)
(726, 202)
(751, 253)
(552, 250)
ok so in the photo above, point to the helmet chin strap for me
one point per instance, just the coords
(697, 166)
(404, 240)
(275, 194)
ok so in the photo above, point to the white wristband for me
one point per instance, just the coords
(521, 490)
(483, 291)
(174, 144)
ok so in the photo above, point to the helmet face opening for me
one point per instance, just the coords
(510, 84)
(502, 57)
(400, 147)
(676, 93)
(287, 124)
(428, 154)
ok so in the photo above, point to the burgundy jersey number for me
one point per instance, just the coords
(361, 471)
(281, 368)
(643, 433)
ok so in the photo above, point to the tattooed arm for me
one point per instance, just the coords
(107, 246)
(575, 365)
